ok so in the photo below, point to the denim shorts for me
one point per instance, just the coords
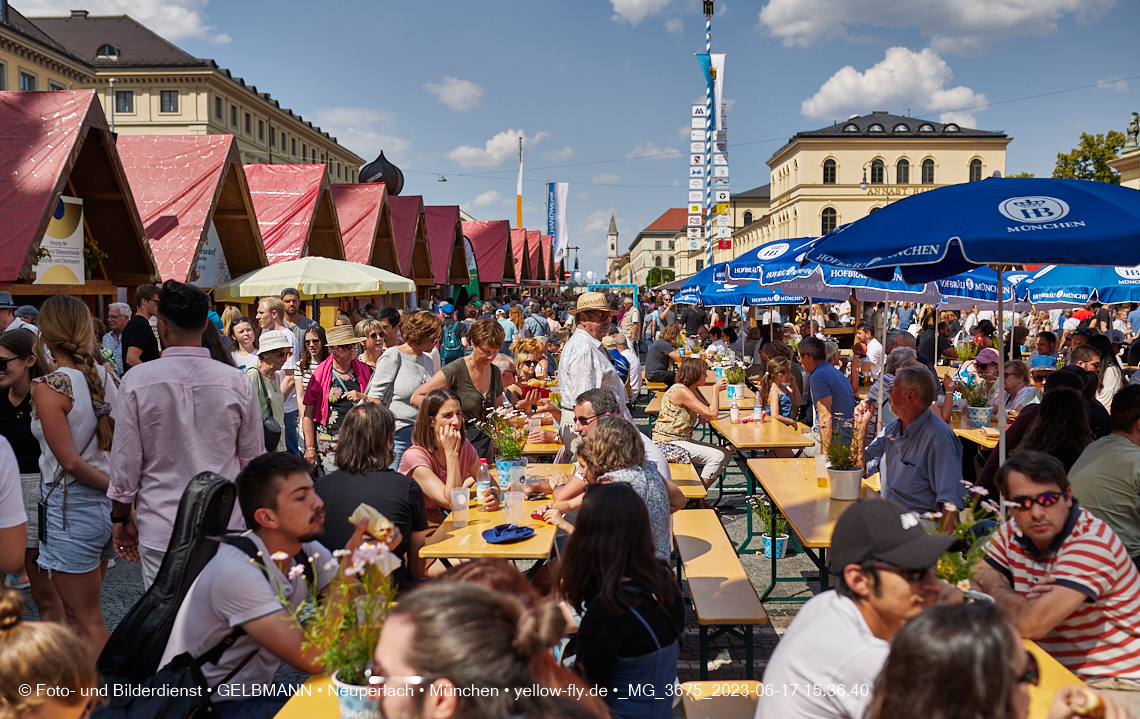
(30, 483)
(82, 542)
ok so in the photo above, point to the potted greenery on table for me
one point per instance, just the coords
(509, 440)
(734, 376)
(775, 526)
(844, 473)
(978, 393)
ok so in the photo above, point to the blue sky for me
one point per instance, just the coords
(446, 87)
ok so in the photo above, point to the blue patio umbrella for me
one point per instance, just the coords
(979, 287)
(1078, 285)
(709, 288)
(952, 229)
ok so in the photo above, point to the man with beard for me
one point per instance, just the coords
(276, 495)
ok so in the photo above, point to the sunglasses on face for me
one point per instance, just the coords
(312, 342)
(911, 575)
(585, 421)
(1045, 499)
(4, 362)
(376, 336)
(1032, 674)
(530, 363)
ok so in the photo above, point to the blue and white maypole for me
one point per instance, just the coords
(709, 127)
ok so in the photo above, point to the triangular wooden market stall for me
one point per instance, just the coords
(548, 259)
(412, 247)
(445, 235)
(491, 244)
(365, 219)
(196, 209)
(520, 251)
(58, 144)
(295, 212)
(534, 255)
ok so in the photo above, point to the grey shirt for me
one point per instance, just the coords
(397, 377)
(923, 464)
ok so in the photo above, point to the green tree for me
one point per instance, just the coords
(659, 276)
(1090, 160)
(1021, 174)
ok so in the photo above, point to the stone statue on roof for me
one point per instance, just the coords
(1133, 131)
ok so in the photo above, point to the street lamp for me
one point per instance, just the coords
(886, 181)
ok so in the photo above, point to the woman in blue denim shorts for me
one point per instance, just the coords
(72, 421)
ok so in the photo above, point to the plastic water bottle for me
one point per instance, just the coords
(757, 411)
(734, 412)
(482, 485)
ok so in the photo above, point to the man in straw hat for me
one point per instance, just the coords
(208, 409)
(584, 364)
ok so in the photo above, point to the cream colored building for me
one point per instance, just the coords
(150, 87)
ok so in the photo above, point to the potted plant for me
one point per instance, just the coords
(505, 426)
(344, 626)
(734, 375)
(958, 567)
(844, 474)
(775, 536)
(978, 392)
(966, 351)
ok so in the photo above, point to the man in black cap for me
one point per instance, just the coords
(883, 560)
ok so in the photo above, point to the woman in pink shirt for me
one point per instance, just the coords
(440, 458)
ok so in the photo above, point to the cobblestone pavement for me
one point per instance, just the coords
(123, 587)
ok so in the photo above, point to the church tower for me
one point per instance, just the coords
(611, 247)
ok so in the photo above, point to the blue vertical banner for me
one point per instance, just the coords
(707, 67)
(556, 194)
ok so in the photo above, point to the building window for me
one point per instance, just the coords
(248, 124)
(928, 172)
(747, 218)
(878, 172)
(108, 52)
(233, 115)
(829, 219)
(901, 128)
(55, 86)
(272, 136)
(700, 265)
(168, 101)
(873, 210)
(124, 101)
(902, 173)
(3, 76)
(672, 261)
(218, 107)
(657, 261)
(657, 245)
(293, 146)
(304, 151)
(260, 129)
(950, 127)
(670, 244)
(975, 170)
(926, 128)
(851, 127)
(28, 82)
(875, 128)
(828, 172)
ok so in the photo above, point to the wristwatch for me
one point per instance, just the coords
(124, 520)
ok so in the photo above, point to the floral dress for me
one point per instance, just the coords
(650, 486)
(327, 433)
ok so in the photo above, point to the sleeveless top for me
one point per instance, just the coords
(785, 405)
(81, 420)
(674, 422)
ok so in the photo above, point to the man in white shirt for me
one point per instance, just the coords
(584, 365)
(271, 316)
(634, 364)
(873, 362)
(882, 558)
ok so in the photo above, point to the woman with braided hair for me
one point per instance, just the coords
(71, 418)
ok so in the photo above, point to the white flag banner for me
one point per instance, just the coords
(556, 225)
(717, 60)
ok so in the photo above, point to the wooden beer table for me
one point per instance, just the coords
(547, 449)
(451, 542)
(744, 403)
(960, 421)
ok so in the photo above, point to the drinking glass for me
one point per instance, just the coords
(516, 507)
(460, 506)
(518, 475)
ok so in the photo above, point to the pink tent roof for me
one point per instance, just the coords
(44, 137)
(491, 243)
(534, 254)
(410, 234)
(365, 226)
(177, 182)
(518, 245)
(548, 256)
(294, 210)
(445, 239)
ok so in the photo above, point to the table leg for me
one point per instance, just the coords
(704, 653)
(824, 577)
(748, 651)
(534, 570)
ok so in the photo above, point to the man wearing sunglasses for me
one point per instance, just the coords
(585, 365)
(1063, 577)
(882, 563)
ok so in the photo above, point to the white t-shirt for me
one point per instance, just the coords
(875, 356)
(229, 592)
(12, 512)
(244, 362)
(287, 371)
(828, 643)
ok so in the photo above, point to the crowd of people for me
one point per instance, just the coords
(105, 425)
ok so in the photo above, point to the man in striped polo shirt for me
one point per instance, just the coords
(1064, 578)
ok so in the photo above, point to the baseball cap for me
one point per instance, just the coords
(446, 308)
(1043, 363)
(290, 291)
(988, 355)
(608, 342)
(1116, 337)
(882, 530)
(27, 312)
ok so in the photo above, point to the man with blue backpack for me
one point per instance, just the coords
(453, 338)
(535, 324)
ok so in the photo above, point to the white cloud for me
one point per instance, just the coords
(1118, 85)
(647, 149)
(455, 93)
(634, 11)
(903, 79)
(599, 221)
(675, 25)
(489, 197)
(960, 26)
(582, 196)
(363, 130)
(729, 104)
(606, 178)
(563, 154)
(498, 150)
(172, 19)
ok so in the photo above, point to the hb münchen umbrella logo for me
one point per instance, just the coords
(1034, 209)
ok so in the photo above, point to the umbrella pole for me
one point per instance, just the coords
(1001, 373)
(882, 365)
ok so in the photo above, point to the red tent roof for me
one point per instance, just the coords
(548, 256)
(366, 224)
(491, 243)
(44, 138)
(518, 245)
(410, 234)
(293, 209)
(446, 240)
(534, 255)
(178, 182)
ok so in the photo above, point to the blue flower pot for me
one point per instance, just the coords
(781, 543)
(356, 701)
(503, 468)
(980, 416)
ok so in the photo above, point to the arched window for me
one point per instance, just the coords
(878, 172)
(672, 260)
(875, 128)
(950, 127)
(657, 261)
(109, 52)
(901, 128)
(928, 172)
(747, 218)
(873, 210)
(829, 219)
(829, 172)
(926, 128)
(851, 127)
(902, 173)
(975, 170)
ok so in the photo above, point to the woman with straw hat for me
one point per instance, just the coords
(337, 385)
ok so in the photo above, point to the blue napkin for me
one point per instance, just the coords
(507, 534)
